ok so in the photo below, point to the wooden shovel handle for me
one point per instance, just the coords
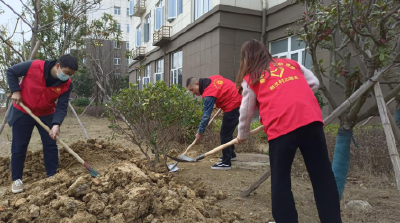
(209, 123)
(190, 146)
(48, 130)
(212, 119)
(234, 141)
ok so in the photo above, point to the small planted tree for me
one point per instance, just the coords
(155, 116)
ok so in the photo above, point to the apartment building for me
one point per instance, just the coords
(115, 53)
(177, 39)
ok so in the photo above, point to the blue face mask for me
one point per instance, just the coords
(62, 76)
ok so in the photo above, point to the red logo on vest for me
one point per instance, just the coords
(218, 82)
(57, 90)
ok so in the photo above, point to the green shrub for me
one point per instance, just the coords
(78, 110)
(81, 102)
(155, 115)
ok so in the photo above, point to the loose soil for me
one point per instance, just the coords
(128, 191)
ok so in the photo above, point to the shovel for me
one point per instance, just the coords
(219, 148)
(183, 155)
(93, 173)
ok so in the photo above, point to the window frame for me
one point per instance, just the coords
(138, 40)
(117, 9)
(289, 52)
(176, 71)
(146, 75)
(118, 59)
(159, 71)
(116, 46)
(160, 5)
(197, 13)
(147, 21)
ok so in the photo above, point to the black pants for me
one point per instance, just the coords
(311, 141)
(229, 123)
(21, 135)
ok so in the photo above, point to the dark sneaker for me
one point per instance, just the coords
(221, 166)
(17, 186)
(232, 158)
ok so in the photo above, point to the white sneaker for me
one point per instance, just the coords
(17, 186)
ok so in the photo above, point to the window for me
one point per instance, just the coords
(84, 60)
(119, 26)
(146, 28)
(159, 15)
(146, 76)
(175, 8)
(117, 75)
(117, 10)
(131, 7)
(138, 34)
(176, 71)
(201, 7)
(158, 75)
(127, 12)
(127, 62)
(127, 45)
(117, 61)
(127, 28)
(117, 44)
(291, 48)
(139, 85)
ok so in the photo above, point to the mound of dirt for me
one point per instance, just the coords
(91, 151)
(126, 191)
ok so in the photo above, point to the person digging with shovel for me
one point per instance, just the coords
(44, 83)
(223, 93)
(282, 90)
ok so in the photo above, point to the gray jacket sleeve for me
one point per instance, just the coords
(247, 110)
(311, 79)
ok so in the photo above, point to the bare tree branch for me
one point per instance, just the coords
(35, 50)
(334, 80)
(15, 30)
(19, 15)
(8, 44)
(29, 10)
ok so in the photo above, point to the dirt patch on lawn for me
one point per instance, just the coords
(126, 191)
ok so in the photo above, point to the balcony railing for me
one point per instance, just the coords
(162, 36)
(139, 8)
(138, 53)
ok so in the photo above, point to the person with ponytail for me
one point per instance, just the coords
(282, 90)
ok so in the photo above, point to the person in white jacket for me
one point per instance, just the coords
(282, 90)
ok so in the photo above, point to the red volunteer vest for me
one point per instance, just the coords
(41, 100)
(225, 92)
(285, 101)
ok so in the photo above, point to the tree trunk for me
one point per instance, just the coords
(341, 158)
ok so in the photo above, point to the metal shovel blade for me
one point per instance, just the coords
(173, 167)
(181, 158)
